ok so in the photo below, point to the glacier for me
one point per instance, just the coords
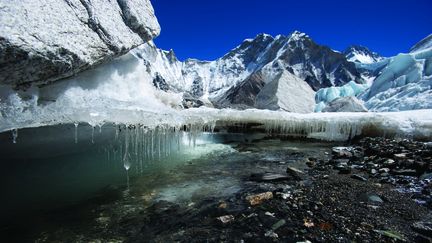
(121, 92)
(327, 95)
(403, 84)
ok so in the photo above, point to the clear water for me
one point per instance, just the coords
(67, 181)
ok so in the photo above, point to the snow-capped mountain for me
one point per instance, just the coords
(237, 78)
(361, 54)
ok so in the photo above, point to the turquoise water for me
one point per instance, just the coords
(60, 186)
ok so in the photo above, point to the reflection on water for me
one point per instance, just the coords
(72, 177)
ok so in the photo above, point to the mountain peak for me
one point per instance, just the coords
(423, 44)
(361, 54)
(297, 35)
(170, 55)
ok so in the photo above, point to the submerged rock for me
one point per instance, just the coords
(342, 152)
(257, 199)
(269, 177)
(43, 41)
(226, 219)
(295, 173)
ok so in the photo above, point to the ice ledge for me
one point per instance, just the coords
(325, 126)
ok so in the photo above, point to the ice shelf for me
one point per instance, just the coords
(324, 126)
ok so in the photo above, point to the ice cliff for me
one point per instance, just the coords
(43, 41)
(405, 83)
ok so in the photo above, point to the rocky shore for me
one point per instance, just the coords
(373, 190)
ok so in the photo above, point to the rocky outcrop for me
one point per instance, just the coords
(286, 92)
(345, 104)
(43, 41)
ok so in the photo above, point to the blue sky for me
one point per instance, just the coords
(207, 29)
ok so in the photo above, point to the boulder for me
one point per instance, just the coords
(43, 41)
(345, 104)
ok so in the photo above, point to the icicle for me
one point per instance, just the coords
(76, 132)
(126, 152)
(14, 135)
(159, 144)
(127, 165)
(117, 132)
(92, 135)
(152, 144)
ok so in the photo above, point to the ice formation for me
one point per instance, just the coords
(404, 83)
(326, 95)
(121, 92)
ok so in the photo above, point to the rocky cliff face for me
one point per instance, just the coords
(43, 41)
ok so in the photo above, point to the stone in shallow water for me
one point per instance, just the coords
(423, 227)
(359, 177)
(269, 177)
(342, 152)
(278, 224)
(226, 218)
(407, 172)
(257, 199)
(294, 172)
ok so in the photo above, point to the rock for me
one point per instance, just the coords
(225, 219)
(391, 234)
(190, 101)
(294, 172)
(426, 176)
(278, 224)
(342, 152)
(344, 170)
(259, 198)
(269, 214)
(384, 170)
(345, 104)
(375, 198)
(222, 205)
(269, 177)
(400, 156)
(371, 198)
(389, 162)
(359, 177)
(271, 234)
(273, 95)
(422, 239)
(423, 227)
(407, 172)
(43, 41)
